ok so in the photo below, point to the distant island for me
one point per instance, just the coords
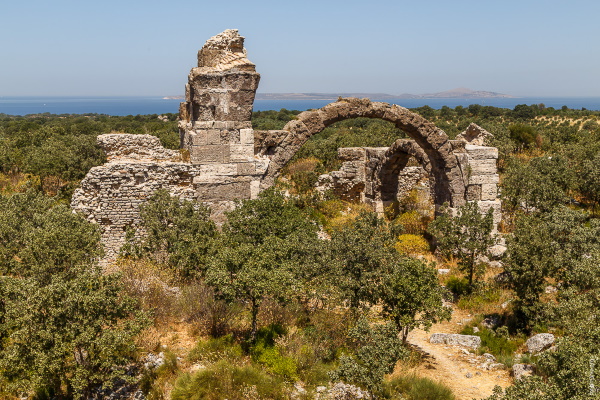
(458, 93)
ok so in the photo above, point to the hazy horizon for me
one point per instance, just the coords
(523, 49)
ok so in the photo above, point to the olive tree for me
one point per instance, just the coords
(66, 328)
(262, 251)
(465, 235)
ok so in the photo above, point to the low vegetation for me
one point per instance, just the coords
(263, 308)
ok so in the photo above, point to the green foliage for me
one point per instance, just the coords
(64, 147)
(411, 296)
(562, 245)
(412, 222)
(495, 342)
(226, 380)
(268, 248)
(377, 348)
(411, 387)
(213, 350)
(39, 238)
(465, 236)
(412, 244)
(589, 184)
(178, 233)
(66, 329)
(524, 135)
(479, 299)
(538, 185)
(360, 252)
(458, 286)
(267, 120)
(348, 133)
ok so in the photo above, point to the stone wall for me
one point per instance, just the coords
(380, 176)
(226, 160)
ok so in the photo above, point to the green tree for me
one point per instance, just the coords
(538, 185)
(68, 336)
(589, 180)
(360, 253)
(66, 328)
(265, 250)
(411, 296)
(562, 245)
(376, 350)
(466, 236)
(177, 233)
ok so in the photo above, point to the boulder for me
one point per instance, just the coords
(343, 391)
(522, 370)
(539, 342)
(470, 341)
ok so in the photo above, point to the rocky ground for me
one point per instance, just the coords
(464, 372)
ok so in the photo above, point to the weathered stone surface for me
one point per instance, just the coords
(521, 371)
(470, 341)
(135, 148)
(475, 135)
(539, 342)
(480, 152)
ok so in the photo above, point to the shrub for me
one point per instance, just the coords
(411, 387)
(213, 350)
(412, 244)
(458, 286)
(225, 380)
(376, 348)
(412, 222)
(498, 342)
(178, 233)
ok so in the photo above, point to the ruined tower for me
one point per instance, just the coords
(215, 124)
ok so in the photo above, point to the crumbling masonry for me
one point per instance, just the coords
(224, 159)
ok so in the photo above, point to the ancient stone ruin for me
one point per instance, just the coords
(222, 159)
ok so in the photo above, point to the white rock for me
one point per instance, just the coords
(522, 370)
(470, 341)
(539, 342)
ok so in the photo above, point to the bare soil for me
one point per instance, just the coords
(451, 365)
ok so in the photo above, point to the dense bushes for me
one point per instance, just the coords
(66, 329)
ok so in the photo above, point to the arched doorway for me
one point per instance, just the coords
(429, 145)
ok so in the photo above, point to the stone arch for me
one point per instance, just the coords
(385, 174)
(435, 149)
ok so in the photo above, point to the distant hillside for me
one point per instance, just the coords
(458, 93)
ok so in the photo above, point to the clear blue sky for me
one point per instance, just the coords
(106, 48)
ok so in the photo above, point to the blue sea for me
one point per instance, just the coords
(157, 105)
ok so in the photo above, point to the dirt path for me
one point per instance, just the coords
(452, 365)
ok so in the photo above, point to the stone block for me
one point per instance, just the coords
(483, 167)
(223, 191)
(246, 168)
(213, 136)
(254, 189)
(484, 179)
(481, 152)
(209, 154)
(470, 341)
(199, 138)
(247, 136)
(489, 191)
(473, 193)
(539, 342)
(241, 152)
(217, 170)
(484, 206)
(351, 154)
(230, 136)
